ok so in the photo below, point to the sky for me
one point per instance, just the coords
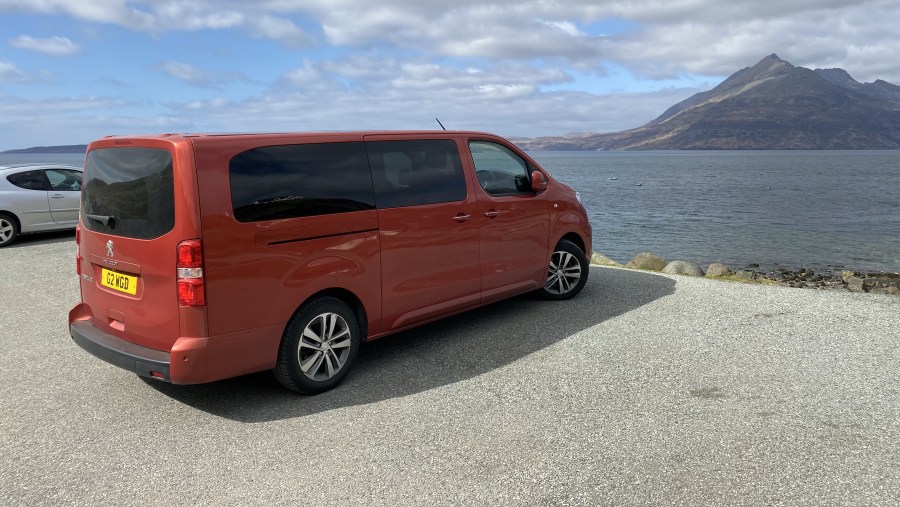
(76, 70)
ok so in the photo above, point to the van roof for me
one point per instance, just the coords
(339, 133)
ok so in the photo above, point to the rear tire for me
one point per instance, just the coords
(9, 229)
(319, 346)
(567, 272)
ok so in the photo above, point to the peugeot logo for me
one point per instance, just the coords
(109, 248)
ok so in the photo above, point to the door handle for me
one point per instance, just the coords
(462, 217)
(492, 213)
(56, 196)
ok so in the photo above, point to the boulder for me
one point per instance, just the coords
(855, 284)
(716, 269)
(891, 290)
(847, 275)
(602, 260)
(682, 268)
(746, 275)
(646, 260)
(882, 283)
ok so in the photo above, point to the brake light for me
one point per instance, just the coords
(78, 249)
(190, 254)
(189, 268)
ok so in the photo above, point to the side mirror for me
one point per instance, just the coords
(538, 182)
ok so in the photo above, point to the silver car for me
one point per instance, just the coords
(38, 197)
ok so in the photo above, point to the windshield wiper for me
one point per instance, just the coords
(107, 220)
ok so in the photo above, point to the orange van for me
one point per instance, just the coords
(203, 257)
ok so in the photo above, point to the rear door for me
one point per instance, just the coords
(129, 237)
(428, 228)
(64, 195)
(514, 221)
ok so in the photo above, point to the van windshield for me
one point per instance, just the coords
(128, 192)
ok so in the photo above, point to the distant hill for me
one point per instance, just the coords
(772, 105)
(71, 148)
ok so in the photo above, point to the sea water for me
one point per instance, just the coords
(814, 209)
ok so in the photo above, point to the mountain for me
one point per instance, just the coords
(772, 105)
(71, 148)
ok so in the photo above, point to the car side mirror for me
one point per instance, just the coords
(538, 182)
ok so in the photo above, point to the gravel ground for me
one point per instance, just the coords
(645, 389)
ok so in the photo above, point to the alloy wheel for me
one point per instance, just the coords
(563, 273)
(324, 346)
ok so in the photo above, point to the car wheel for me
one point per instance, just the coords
(9, 229)
(319, 346)
(567, 272)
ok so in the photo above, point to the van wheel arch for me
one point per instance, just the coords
(350, 300)
(576, 240)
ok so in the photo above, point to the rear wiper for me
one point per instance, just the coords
(107, 220)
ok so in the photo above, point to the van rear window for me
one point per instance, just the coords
(300, 180)
(128, 192)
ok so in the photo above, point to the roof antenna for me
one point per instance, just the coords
(441, 124)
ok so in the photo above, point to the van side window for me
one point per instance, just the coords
(499, 170)
(300, 180)
(415, 172)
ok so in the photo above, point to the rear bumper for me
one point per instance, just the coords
(118, 352)
(192, 360)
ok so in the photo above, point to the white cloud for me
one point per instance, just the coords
(280, 29)
(662, 39)
(102, 11)
(49, 45)
(493, 65)
(74, 120)
(367, 92)
(196, 76)
(9, 73)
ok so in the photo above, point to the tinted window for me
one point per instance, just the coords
(409, 173)
(129, 192)
(499, 169)
(64, 180)
(29, 180)
(300, 180)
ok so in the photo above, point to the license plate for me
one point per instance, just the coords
(119, 281)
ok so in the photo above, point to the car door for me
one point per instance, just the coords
(515, 222)
(30, 201)
(64, 196)
(428, 228)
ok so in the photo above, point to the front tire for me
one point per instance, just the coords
(319, 346)
(9, 229)
(567, 272)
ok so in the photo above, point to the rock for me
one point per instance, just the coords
(855, 284)
(646, 260)
(753, 265)
(746, 275)
(891, 290)
(847, 275)
(871, 284)
(716, 269)
(602, 260)
(683, 268)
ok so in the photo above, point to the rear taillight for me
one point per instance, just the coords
(78, 249)
(189, 265)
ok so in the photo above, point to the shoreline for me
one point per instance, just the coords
(829, 278)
